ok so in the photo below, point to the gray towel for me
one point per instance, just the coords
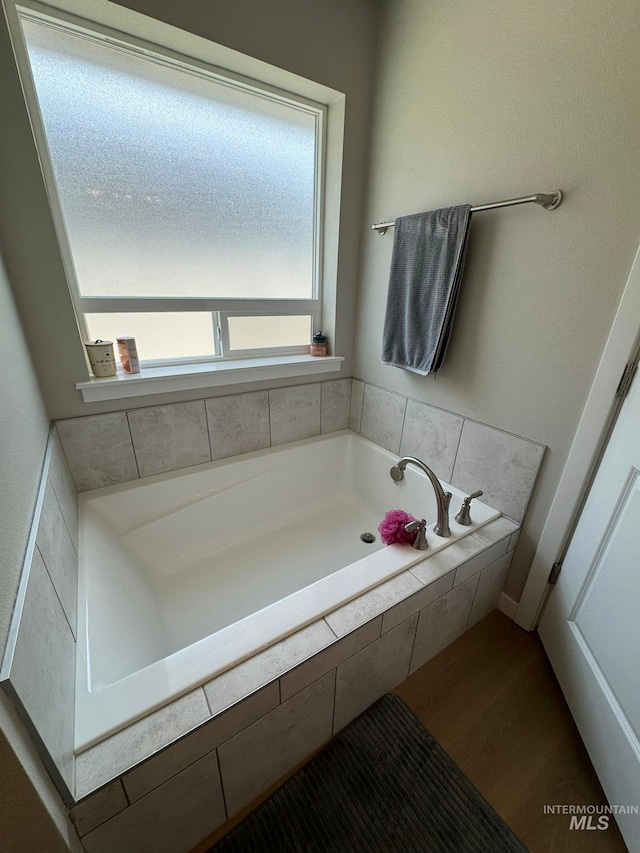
(426, 271)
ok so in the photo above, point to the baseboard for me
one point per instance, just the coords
(507, 605)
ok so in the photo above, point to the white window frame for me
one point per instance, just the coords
(258, 351)
(219, 308)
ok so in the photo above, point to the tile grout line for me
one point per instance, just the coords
(455, 458)
(206, 699)
(324, 619)
(364, 388)
(473, 600)
(55, 592)
(204, 754)
(358, 414)
(133, 447)
(320, 410)
(333, 708)
(126, 793)
(66, 524)
(404, 421)
(206, 420)
(415, 633)
(102, 822)
(224, 796)
(404, 417)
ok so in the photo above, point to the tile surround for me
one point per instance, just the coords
(382, 417)
(238, 423)
(166, 438)
(514, 540)
(173, 818)
(99, 450)
(294, 413)
(498, 529)
(443, 621)
(63, 485)
(258, 756)
(59, 555)
(490, 586)
(449, 558)
(43, 669)
(484, 558)
(42, 672)
(355, 408)
(373, 672)
(467, 454)
(350, 616)
(104, 804)
(165, 764)
(432, 434)
(123, 750)
(297, 679)
(232, 686)
(335, 403)
(416, 602)
(504, 466)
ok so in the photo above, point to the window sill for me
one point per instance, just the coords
(160, 380)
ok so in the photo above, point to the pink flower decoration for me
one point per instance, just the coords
(391, 528)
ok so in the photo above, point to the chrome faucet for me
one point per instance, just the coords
(442, 498)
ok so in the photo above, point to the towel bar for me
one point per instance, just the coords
(548, 200)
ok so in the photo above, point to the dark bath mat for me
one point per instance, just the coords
(383, 784)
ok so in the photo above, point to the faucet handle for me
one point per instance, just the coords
(420, 542)
(464, 516)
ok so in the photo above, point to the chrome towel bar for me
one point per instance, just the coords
(548, 200)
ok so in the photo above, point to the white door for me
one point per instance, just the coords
(591, 626)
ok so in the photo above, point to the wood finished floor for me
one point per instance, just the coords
(492, 701)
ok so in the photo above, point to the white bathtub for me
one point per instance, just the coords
(184, 575)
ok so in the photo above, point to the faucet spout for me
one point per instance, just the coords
(443, 499)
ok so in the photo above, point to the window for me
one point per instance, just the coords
(190, 201)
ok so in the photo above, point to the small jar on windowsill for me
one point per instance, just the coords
(318, 346)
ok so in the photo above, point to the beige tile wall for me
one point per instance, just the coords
(467, 454)
(113, 448)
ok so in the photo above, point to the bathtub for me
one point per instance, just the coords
(184, 575)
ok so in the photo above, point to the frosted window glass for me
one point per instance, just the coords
(259, 332)
(173, 184)
(163, 335)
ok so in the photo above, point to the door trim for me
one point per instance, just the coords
(597, 420)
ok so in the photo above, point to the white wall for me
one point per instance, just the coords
(475, 102)
(328, 41)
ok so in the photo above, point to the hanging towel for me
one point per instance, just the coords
(426, 271)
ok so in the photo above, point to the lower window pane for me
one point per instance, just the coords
(174, 335)
(261, 332)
